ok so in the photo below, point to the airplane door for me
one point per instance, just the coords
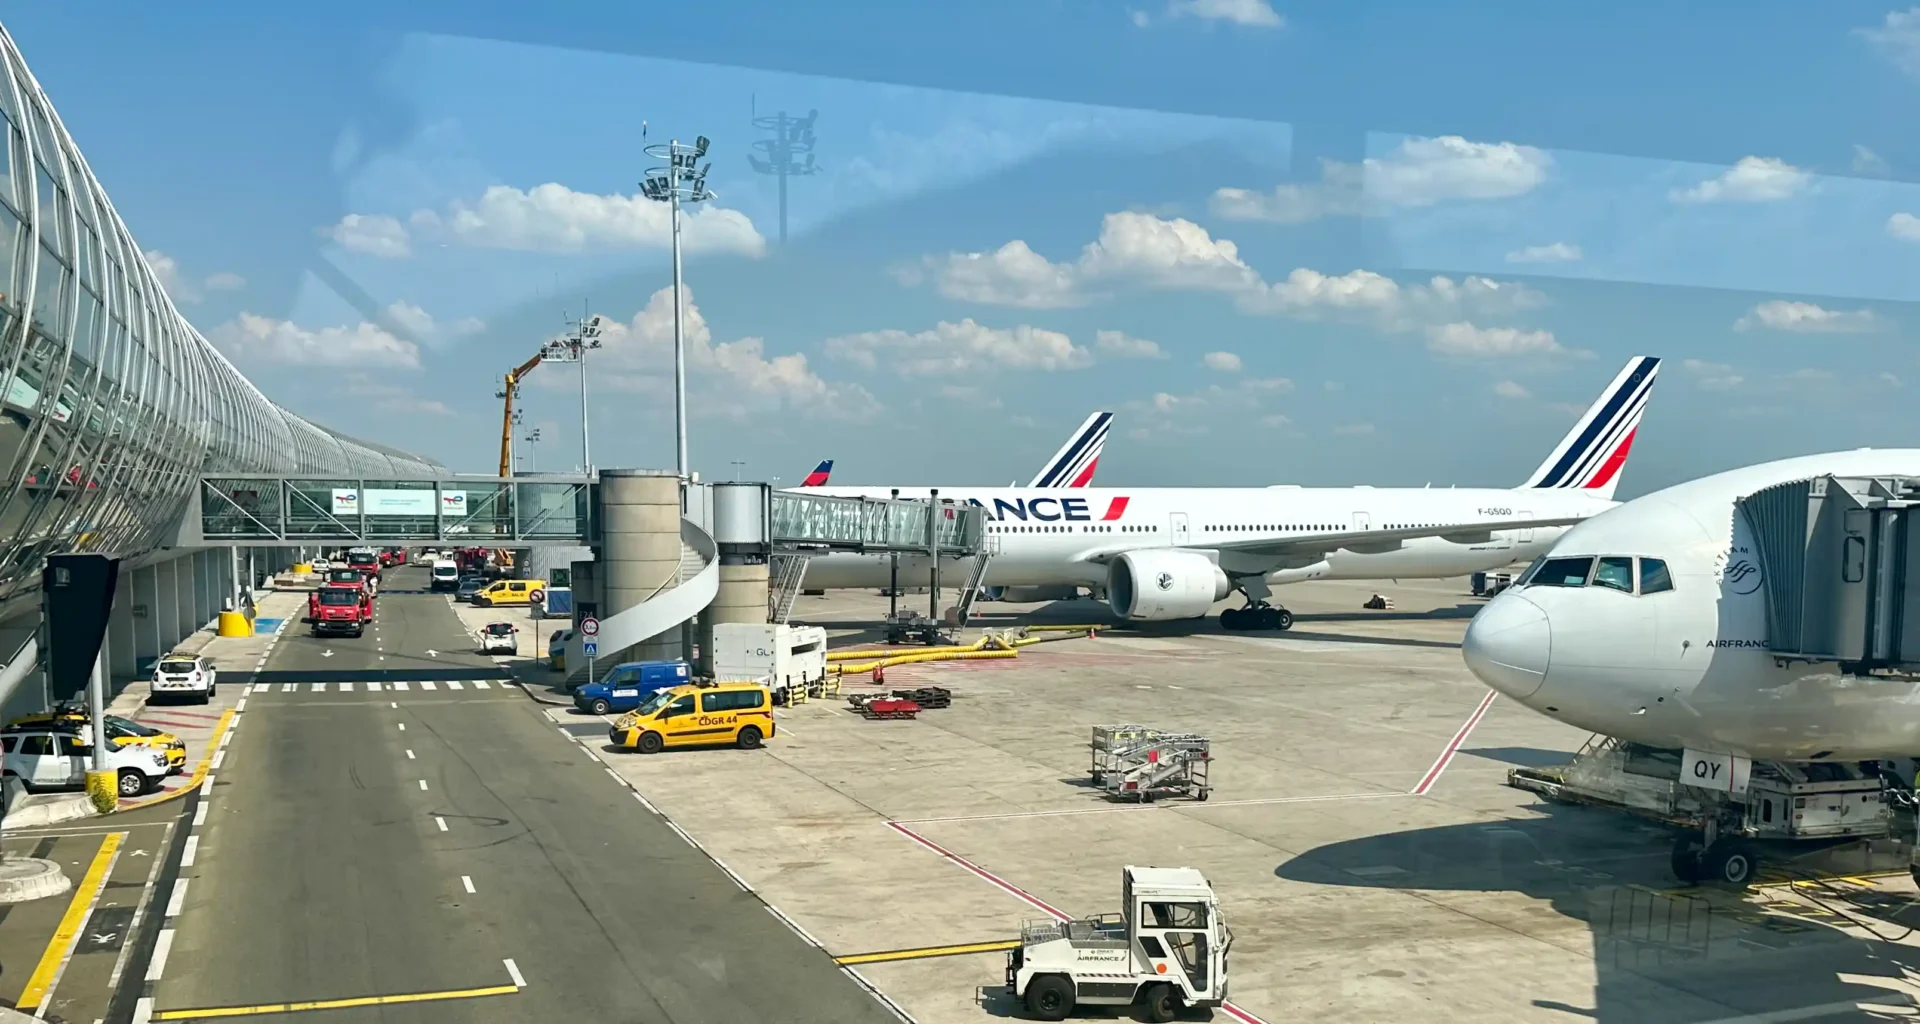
(1526, 532)
(1362, 521)
(1177, 529)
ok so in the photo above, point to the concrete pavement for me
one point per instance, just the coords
(453, 849)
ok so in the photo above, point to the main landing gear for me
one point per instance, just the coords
(1258, 614)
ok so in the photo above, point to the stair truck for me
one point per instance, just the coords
(1165, 950)
(336, 609)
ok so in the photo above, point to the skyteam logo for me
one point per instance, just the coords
(1165, 582)
(1739, 571)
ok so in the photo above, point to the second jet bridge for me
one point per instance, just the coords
(1839, 561)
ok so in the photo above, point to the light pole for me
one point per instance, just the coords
(738, 465)
(682, 180)
(789, 154)
(573, 348)
(513, 458)
(533, 450)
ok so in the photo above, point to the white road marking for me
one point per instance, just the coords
(206, 785)
(467, 882)
(200, 814)
(402, 687)
(423, 784)
(158, 965)
(480, 684)
(193, 849)
(143, 1010)
(426, 684)
(319, 687)
(247, 689)
(513, 971)
(242, 706)
(372, 687)
(442, 822)
(226, 739)
(403, 727)
(346, 687)
(410, 756)
(453, 684)
(219, 756)
(289, 687)
(178, 899)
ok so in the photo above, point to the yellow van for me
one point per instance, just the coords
(504, 592)
(687, 716)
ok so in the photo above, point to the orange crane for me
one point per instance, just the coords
(506, 420)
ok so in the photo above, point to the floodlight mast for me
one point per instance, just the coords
(682, 180)
(789, 153)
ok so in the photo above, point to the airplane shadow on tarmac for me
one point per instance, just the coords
(1655, 944)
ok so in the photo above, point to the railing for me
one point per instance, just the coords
(477, 510)
(864, 524)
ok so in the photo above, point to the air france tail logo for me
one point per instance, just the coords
(1591, 455)
(1048, 510)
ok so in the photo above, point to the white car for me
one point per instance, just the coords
(500, 638)
(185, 675)
(55, 757)
(320, 563)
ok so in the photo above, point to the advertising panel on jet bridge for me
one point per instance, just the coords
(349, 502)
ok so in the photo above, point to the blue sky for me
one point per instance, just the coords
(1285, 242)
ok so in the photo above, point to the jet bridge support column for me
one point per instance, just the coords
(640, 551)
(743, 528)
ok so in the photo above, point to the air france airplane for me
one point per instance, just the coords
(1649, 623)
(1171, 553)
(1071, 466)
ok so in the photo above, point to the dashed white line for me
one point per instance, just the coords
(453, 684)
(200, 814)
(346, 687)
(466, 881)
(481, 684)
(193, 849)
(143, 1010)
(402, 687)
(219, 758)
(226, 739)
(644, 802)
(158, 965)
(442, 822)
(289, 687)
(319, 688)
(596, 757)
(242, 706)
(410, 756)
(206, 785)
(403, 727)
(513, 971)
(179, 898)
(426, 684)
(423, 784)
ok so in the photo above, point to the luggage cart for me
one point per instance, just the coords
(1168, 764)
(1109, 742)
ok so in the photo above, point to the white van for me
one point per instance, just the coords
(446, 575)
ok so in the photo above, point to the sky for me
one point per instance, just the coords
(1285, 243)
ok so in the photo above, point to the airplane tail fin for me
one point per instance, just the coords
(1589, 458)
(818, 478)
(1073, 464)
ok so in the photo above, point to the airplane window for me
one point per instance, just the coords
(1654, 578)
(1562, 572)
(1615, 574)
(1527, 574)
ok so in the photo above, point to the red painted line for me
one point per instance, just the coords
(188, 714)
(174, 724)
(1446, 756)
(1028, 898)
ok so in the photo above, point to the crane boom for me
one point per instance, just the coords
(506, 420)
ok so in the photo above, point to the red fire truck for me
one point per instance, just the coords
(338, 608)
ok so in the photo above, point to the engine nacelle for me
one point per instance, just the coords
(1031, 595)
(1156, 585)
(1300, 575)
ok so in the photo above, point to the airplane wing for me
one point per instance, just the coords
(1359, 541)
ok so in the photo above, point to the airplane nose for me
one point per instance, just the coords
(1507, 645)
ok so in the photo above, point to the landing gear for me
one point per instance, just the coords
(1256, 616)
(1723, 860)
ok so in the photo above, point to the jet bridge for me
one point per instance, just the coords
(1839, 561)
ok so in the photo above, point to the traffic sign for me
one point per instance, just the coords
(589, 626)
(590, 648)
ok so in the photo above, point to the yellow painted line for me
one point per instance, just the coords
(199, 772)
(336, 1004)
(926, 952)
(61, 946)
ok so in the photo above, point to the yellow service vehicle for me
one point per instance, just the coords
(687, 716)
(504, 592)
(121, 732)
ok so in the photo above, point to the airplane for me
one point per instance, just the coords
(1649, 623)
(1071, 466)
(1171, 553)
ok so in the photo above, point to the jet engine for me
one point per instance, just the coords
(1300, 575)
(1155, 585)
(1030, 595)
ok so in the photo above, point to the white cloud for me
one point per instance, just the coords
(1166, 415)
(1419, 172)
(421, 324)
(1904, 226)
(1332, 385)
(225, 281)
(249, 337)
(736, 378)
(1465, 339)
(555, 218)
(1012, 275)
(1252, 13)
(1125, 346)
(1311, 294)
(1887, 377)
(1755, 179)
(1558, 252)
(1355, 430)
(1867, 162)
(374, 234)
(389, 397)
(1133, 247)
(1225, 362)
(1899, 38)
(1510, 389)
(962, 347)
(1807, 318)
(166, 271)
(1712, 376)
(1139, 18)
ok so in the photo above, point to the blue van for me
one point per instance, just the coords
(624, 688)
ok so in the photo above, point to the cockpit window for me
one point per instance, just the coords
(1562, 572)
(1527, 574)
(1654, 577)
(1615, 573)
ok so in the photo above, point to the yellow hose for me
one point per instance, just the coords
(924, 656)
(989, 642)
(1088, 628)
